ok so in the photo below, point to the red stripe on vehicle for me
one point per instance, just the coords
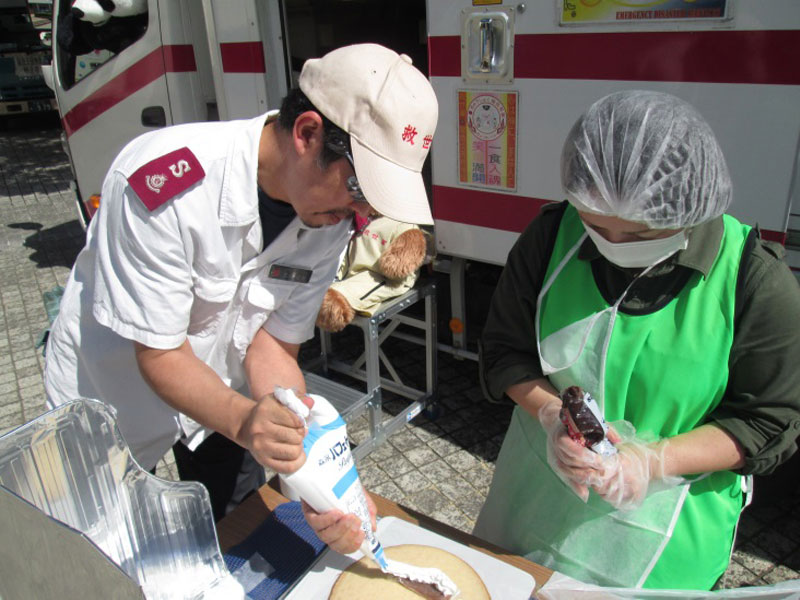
(243, 57)
(755, 57)
(172, 59)
(485, 209)
(444, 56)
(179, 58)
(506, 211)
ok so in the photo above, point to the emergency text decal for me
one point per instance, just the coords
(614, 11)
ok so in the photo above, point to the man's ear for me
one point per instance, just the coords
(307, 133)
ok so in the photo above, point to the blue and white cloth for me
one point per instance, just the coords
(275, 555)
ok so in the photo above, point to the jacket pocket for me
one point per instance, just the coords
(260, 301)
(212, 297)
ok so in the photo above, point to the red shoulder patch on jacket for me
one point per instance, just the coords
(166, 177)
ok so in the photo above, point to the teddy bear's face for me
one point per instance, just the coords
(98, 12)
(91, 11)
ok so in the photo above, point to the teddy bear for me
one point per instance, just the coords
(382, 261)
(99, 12)
(97, 25)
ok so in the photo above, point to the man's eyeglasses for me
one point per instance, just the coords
(352, 182)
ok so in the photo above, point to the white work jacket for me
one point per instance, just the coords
(190, 267)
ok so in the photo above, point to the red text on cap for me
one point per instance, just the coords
(408, 134)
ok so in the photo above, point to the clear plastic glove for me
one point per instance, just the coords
(575, 465)
(636, 470)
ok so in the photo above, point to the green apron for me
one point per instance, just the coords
(663, 372)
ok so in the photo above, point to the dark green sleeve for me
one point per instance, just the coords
(508, 352)
(761, 407)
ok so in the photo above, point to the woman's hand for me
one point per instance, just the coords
(639, 468)
(574, 464)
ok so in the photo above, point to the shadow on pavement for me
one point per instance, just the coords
(32, 159)
(28, 121)
(53, 247)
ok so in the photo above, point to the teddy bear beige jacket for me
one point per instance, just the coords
(359, 278)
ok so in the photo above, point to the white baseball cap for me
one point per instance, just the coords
(389, 109)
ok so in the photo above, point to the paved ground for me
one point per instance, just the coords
(442, 468)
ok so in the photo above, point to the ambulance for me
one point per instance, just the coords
(510, 77)
(22, 54)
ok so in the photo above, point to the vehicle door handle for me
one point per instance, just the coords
(154, 116)
(486, 45)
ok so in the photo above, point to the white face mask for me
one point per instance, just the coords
(640, 254)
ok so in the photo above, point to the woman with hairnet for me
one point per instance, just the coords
(677, 319)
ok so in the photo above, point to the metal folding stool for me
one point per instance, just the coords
(367, 367)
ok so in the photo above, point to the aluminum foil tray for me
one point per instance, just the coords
(72, 464)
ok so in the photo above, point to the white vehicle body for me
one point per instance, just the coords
(734, 60)
(737, 70)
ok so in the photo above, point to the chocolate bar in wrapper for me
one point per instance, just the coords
(584, 421)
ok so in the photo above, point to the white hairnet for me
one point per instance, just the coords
(646, 157)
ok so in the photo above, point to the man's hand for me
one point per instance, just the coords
(341, 532)
(274, 435)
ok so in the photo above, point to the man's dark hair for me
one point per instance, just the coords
(296, 103)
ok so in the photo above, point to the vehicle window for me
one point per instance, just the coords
(87, 40)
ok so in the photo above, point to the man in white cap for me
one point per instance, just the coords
(205, 266)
